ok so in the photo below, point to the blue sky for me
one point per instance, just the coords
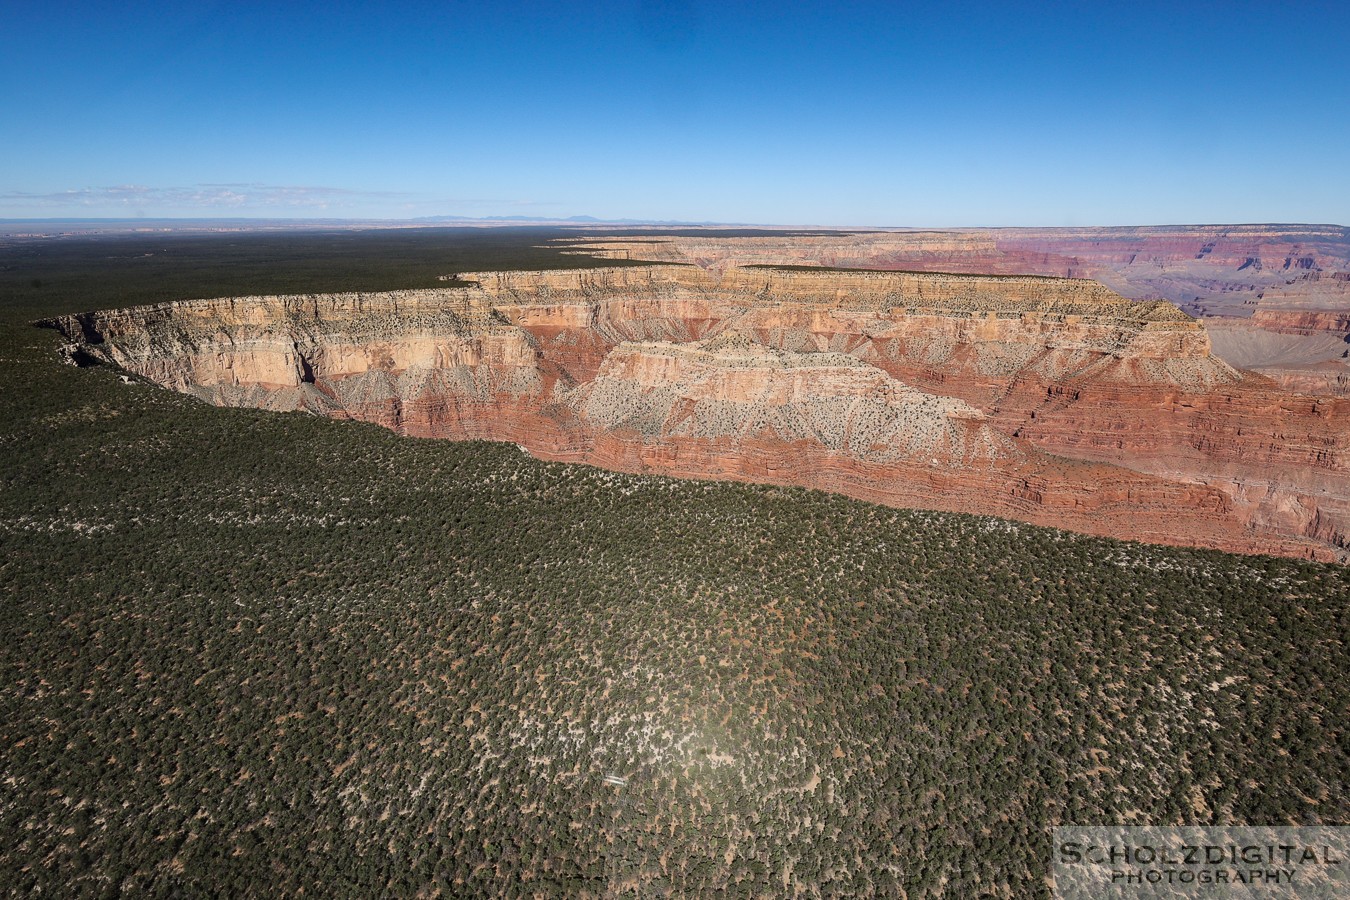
(790, 113)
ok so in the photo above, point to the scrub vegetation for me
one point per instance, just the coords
(246, 653)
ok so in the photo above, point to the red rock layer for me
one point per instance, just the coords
(1048, 400)
(1297, 321)
(1092, 499)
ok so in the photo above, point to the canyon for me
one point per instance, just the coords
(1046, 399)
(1252, 286)
(1205, 269)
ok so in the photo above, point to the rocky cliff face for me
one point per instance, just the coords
(731, 388)
(1210, 269)
(1051, 400)
(1299, 321)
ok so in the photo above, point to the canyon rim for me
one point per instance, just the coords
(1199, 399)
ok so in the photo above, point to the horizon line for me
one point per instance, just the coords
(593, 221)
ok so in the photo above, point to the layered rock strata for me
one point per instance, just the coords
(1051, 400)
(1285, 279)
(1215, 269)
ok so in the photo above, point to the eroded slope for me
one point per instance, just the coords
(1051, 400)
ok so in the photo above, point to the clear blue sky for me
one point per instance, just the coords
(792, 113)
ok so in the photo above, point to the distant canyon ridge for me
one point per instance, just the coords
(1186, 386)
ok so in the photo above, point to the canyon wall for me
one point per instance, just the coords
(1299, 321)
(1213, 269)
(1051, 400)
(1267, 279)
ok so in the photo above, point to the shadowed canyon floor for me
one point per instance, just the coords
(1051, 400)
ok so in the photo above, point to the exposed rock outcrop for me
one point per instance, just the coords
(732, 388)
(1214, 269)
(1051, 400)
(1301, 321)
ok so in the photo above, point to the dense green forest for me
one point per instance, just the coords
(246, 653)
